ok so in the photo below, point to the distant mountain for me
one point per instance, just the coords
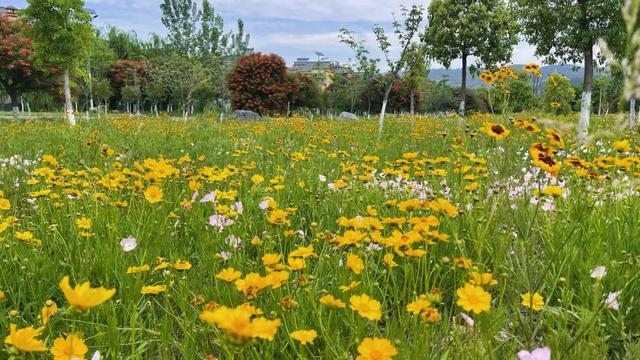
(454, 76)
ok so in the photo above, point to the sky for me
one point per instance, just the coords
(290, 28)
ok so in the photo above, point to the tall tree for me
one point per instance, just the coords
(459, 29)
(196, 31)
(18, 73)
(405, 31)
(566, 31)
(365, 68)
(62, 34)
(416, 73)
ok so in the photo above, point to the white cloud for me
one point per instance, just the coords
(325, 10)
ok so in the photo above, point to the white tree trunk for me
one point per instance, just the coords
(461, 107)
(385, 100)
(632, 113)
(583, 125)
(68, 106)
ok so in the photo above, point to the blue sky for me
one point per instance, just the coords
(291, 28)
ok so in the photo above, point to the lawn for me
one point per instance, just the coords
(290, 239)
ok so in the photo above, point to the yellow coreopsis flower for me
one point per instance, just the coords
(473, 298)
(304, 336)
(70, 348)
(366, 307)
(330, 301)
(355, 264)
(153, 289)
(83, 296)
(229, 275)
(49, 309)
(533, 301)
(24, 340)
(84, 223)
(376, 349)
(4, 204)
(482, 279)
(182, 265)
(153, 194)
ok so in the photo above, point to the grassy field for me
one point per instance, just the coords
(448, 239)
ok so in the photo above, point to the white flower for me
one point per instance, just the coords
(225, 255)
(96, 356)
(264, 205)
(128, 244)
(233, 241)
(238, 207)
(220, 221)
(322, 178)
(599, 272)
(612, 300)
(467, 319)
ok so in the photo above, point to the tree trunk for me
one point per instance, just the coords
(583, 125)
(15, 104)
(68, 106)
(463, 86)
(412, 97)
(387, 91)
(632, 113)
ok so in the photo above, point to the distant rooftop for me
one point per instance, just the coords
(306, 65)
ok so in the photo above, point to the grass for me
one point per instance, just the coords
(549, 246)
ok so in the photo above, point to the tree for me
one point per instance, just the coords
(416, 73)
(178, 78)
(567, 31)
(62, 33)
(18, 73)
(199, 32)
(405, 32)
(103, 92)
(459, 29)
(364, 70)
(260, 83)
(558, 94)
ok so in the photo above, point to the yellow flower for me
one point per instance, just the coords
(351, 286)
(153, 289)
(229, 275)
(4, 204)
(376, 349)
(84, 223)
(473, 298)
(138, 269)
(553, 190)
(622, 146)
(271, 259)
(70, 348)
(388, 259)
(24, 236)
(48, 159)
(304, 336)
(25, 339)
(49, 309)
(238, 322)
(482, 279)
(365, 306)
(182, 265)
(355, 264)
(2, 295)
(296, 264)
(257, 179)
(330, 301)
(533, 302)
(419, 305)
(83, 296)
(153, 194)
(496, 131)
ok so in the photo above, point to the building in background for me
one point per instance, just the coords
(9, 11)
(321, 69)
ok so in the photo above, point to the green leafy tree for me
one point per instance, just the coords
(416, 74)
(566, 31)
(196, 31)
(364, 69)
(459, 29)
(558, 94)
(405, 31)
(62, 34)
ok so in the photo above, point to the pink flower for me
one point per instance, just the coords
(128, 244)
(537, 354)
(210, 197)
(467, 319)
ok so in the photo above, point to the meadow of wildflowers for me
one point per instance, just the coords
(483, 238)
